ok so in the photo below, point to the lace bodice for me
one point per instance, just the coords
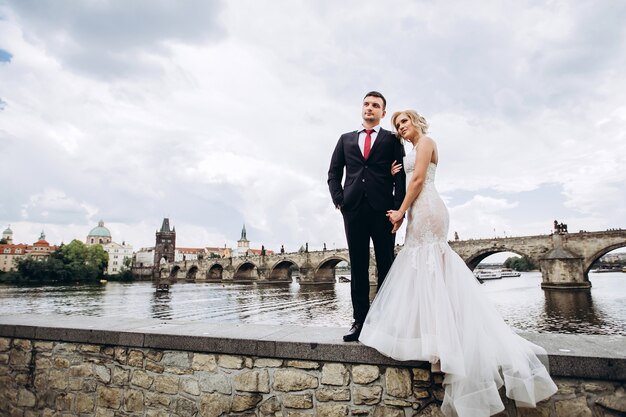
(428, 215)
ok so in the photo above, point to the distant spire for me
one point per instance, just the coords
(243, 233)
(42, 236)
(166, 225)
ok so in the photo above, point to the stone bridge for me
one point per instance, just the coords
(311, 267)
(564, 258)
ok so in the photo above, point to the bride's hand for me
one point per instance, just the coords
(395, 216)
(395, 167)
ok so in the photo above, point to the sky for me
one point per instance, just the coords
(216, 114)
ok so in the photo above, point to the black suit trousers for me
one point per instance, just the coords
(361, 224)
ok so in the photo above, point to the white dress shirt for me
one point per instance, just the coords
(362, 135)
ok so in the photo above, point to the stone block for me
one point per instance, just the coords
(384, 411)
(576, 407)
(270, 407)
(23, 344)
(157, 413)
(167, 384)
(41, 347)
(85, 403)
(109, 397)
(253, 381)
(141, 379)
(120, 376)
(244, 402)
(154, 367)
(332, 394)
(203, 362)
(533, 412)
(19, 357)
(190, 386)
(176, 359)
(335, 374)
(230, 362)
(364, 374)
(133, 400)
(42, 362)
(368, 395)
(89, 348)
(214, 383)
(186, 408)
(268, 363)
(5, 344)
(155, 398)
(214, 405)
(298, 400)
(398, 382)
(154, 355)
(303, 364)
(121, 355)
(614, 402)
(290, 380)
(25, 398)
(102, 373)
(422, 375)
(332, 410)
(60, 363)
(58, 379)
(135, 358)
(89, 385)
(63, 401)
(420, 393)
(82, 370)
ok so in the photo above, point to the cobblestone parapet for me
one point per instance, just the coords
(57, 375)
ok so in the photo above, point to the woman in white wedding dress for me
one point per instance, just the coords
(430, 306)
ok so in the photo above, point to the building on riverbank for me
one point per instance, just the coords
(10, 253)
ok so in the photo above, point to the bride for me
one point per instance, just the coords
(430, 307)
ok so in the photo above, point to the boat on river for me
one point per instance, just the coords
(485, 274)
(509, 273)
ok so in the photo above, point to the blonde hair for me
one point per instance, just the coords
(417, 119)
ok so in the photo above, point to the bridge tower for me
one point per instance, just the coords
(165, 247)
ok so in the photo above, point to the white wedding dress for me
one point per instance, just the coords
(430, 307)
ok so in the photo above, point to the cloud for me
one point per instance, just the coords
(111, 40)
(216, 114)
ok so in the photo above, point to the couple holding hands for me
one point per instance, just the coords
(428, 304)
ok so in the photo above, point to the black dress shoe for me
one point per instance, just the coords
(354, 333)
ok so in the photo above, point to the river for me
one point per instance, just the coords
(521, 301)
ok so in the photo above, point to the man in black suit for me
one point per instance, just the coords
(369, 191)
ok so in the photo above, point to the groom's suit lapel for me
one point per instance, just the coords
(354, 143)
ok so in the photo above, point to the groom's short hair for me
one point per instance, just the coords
(377, 94)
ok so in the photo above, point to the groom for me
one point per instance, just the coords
(367, 193)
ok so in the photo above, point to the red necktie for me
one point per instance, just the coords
(368, 143)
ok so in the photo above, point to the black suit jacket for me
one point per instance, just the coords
(372, 177)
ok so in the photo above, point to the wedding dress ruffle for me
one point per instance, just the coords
(431, 307)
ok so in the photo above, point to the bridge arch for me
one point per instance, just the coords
(325, 270)
(191, 273)
(174, 271)
(590, 260)
(282, 270)
(215, 273)
(473, 260)
(247, 271)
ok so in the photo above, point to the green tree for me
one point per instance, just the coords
(520, 264)
(69, 263)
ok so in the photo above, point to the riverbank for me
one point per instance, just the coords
(149, 367)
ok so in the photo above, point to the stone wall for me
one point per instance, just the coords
(53, 378)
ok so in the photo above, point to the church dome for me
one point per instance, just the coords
(7, 231)
(100, 230)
